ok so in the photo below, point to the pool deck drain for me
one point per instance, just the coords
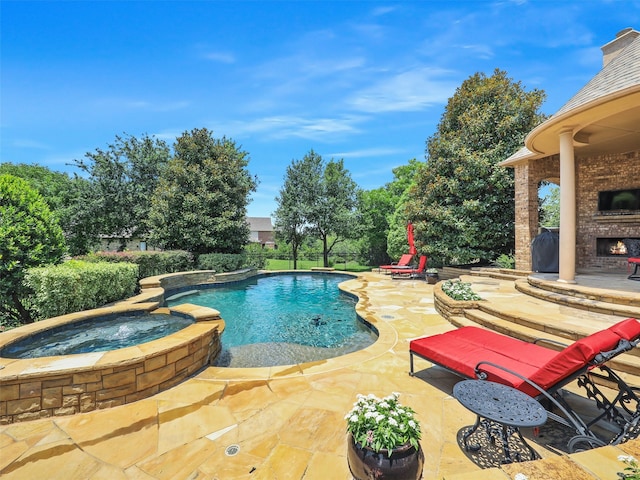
(232, 450)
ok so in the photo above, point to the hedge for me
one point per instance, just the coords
(150, 263)
(77, 285)
(228, 262)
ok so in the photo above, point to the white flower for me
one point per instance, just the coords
(521, 476)
(626, 458)
(382, 421)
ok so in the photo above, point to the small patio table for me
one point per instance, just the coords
(494, 403)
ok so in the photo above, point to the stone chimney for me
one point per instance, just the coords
(613, 48)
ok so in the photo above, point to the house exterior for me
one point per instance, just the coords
(591, 149)
(261, 231)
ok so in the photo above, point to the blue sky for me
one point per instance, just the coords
(366, 81)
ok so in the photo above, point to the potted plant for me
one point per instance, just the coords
(383, 439)
(431, 275)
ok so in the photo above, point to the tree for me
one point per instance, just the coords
(332, 214)
(550, 207)
(301, 180)
(384, 233)
(326, 203)
(200, 204)
(462, 202)
(404, 179)
(62, 193)
(30, 236)
(122, 179)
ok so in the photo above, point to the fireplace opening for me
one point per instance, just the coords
(611, 247)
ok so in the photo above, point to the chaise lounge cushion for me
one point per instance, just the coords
(463, 349)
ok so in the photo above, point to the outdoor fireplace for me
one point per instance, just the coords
(611, 247)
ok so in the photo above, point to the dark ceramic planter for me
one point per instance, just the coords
(431, 278)
(405, 462)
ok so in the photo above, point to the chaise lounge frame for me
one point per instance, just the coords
(537, 371)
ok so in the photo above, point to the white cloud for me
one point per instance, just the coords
(221, 57)
(379, 11)
(292, 126)
(408, 91)
(116, 104)
(28, 143)
(368, 152)
(480, 50)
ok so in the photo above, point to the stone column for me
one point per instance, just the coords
(567, 273)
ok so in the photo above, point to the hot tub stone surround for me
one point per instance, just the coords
(65, 385)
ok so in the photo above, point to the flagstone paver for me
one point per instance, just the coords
(285, 422)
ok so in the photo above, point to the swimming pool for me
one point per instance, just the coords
(287, 318)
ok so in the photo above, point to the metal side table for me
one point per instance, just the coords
(494, 403)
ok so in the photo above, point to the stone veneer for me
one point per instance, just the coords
(593, 174)
(65, 385)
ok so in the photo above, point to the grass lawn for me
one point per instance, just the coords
(308, 264)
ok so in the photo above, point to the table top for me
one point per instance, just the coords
(500, 403)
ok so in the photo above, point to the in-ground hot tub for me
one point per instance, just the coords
(56, 385)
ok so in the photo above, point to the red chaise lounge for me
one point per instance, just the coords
(418, 272)
(541, 372)
(405, 261)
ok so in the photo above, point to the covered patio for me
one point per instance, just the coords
(591, 149)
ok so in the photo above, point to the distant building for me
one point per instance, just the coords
(260, 227)
(261, 231)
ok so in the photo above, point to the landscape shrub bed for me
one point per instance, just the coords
(78, 285)
(228, 262)
(149, 263)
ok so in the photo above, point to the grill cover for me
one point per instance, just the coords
(545, 252)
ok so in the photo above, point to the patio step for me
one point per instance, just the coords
(447, 273)
(600, 300)
(627, 364)
(501, 273)
(568, 322)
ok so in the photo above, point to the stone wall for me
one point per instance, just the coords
(593, 174)
(527, 180)
(35, 395)
(607, 172)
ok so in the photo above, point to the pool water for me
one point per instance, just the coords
(97, 335)
(284, 319)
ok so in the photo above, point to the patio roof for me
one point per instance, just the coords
(604, 115)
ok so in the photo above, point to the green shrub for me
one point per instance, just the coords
(256, 256)
(76, 285)
(149, 263)
(221, 262)
(506, 261)
(30, 236)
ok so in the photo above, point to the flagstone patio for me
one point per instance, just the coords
(282, 422)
